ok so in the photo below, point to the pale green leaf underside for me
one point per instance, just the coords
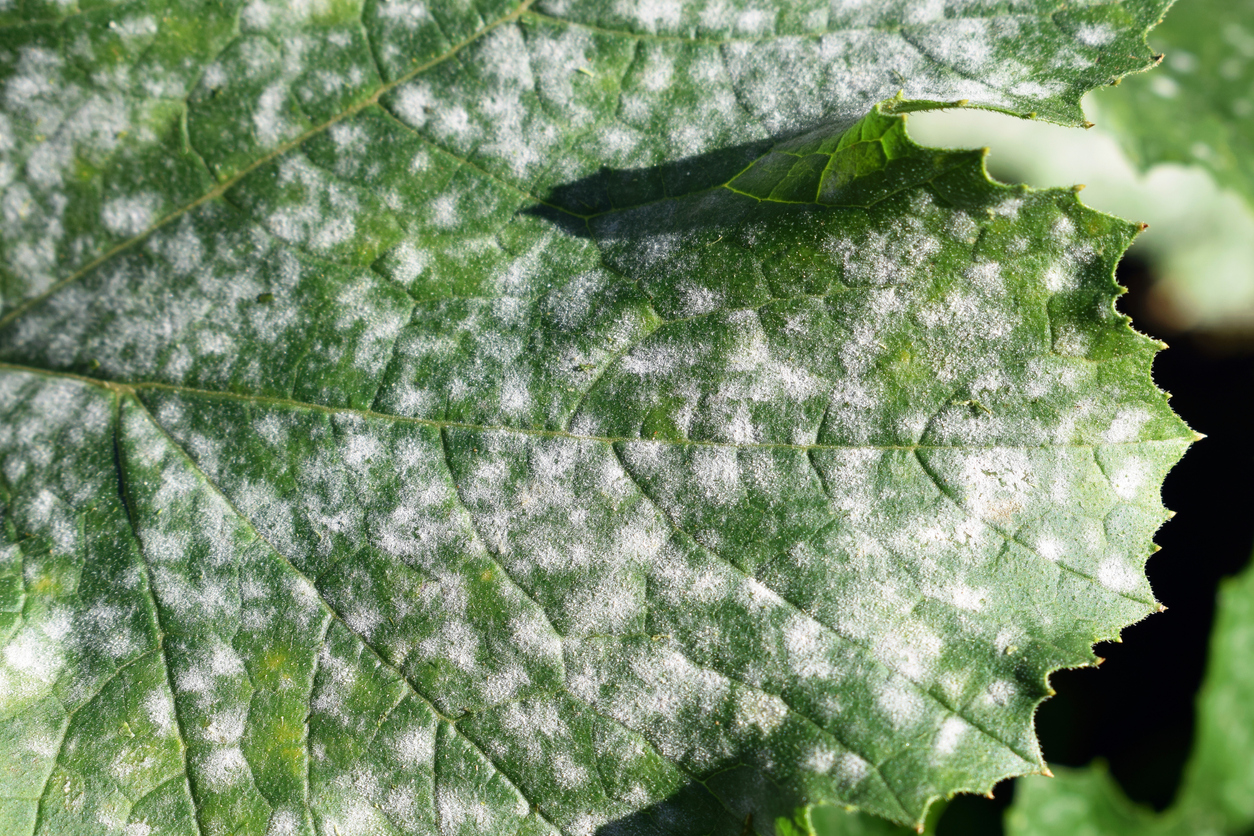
(1199, 106)
(1217, 792)
(368, 493)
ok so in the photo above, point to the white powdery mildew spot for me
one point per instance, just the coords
(159, 708)
(1126, 425)
(34, 658)
(653, 16)
(807, 653)
(348, 812)
(900, 702)
(414, 747)
(1117, 574)
(1130, 479)
(1050, 548)
(950, 735)
(1000, 693)
(850, 769)
(821, 759)
(966, 598)
(717, 473)
(222, 768)
(911, 648)
(283, 823)
(456, 810)
(129, 215)
(996, 484)
(764, 712)
(1095, 34)
(455, 643)
(226, 726)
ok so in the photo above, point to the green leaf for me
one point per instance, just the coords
(528, 420)
(1197, 107)
(1217, 792)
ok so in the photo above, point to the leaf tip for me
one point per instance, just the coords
(1162, 608)
(1141, 226)
(1047, 773)
(1197, 436)
(1086, 124)
(1100, 660)
(1079, 187)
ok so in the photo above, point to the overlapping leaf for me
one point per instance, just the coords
(351, 486)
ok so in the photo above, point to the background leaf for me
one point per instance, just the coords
(1198, 108)
(769, 460)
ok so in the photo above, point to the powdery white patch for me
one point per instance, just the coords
(1130, 479)
(1117, 574)
(1059, 279)
(268, 121)
(717, 473)
(765, 712)
(348, 812)
(222, 769)
(129, 215)
(35, 654)
(226, 726)
(1000, 693)
(985, 275)
(455, 643)
(851, 769)
(1095, 34)
(407, 15)
(457, 809)
(1050, 548)
(821, 759)
(587, 824)
(159, 708)
(997, 483)
(504, 685)
(950, 735)
(911, 648)
(967, 598)
(807, 653)
(1071, 341)
(283, 823)
(900, 702)
(415, 747)
(651, 15)
(409, 262)
(1126, 425)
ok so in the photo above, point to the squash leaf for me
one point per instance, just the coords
(559, 418)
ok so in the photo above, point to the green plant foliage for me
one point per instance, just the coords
(1217, 791)
(551, 419)
(1198, 108)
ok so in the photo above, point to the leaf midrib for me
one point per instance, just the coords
(134, 388)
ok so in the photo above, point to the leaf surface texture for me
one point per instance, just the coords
(561, 418)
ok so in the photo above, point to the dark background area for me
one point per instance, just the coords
(1136, 711)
